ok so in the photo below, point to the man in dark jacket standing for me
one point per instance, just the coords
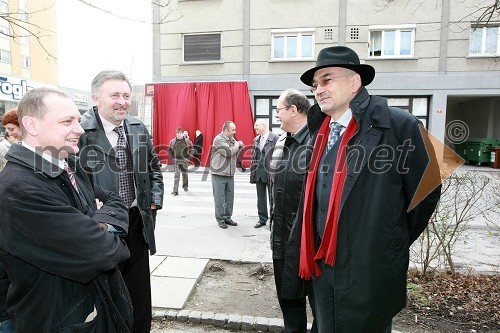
(287, 172)
(180, 150)
(358, 215)
(117, 152)
(60, 245)
(259, 170)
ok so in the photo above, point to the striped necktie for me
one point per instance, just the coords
(334, 135)
(71, 175)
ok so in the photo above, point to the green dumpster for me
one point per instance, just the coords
(476, 150)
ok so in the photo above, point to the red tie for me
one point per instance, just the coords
(71, 175)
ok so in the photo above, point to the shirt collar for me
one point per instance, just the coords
(300, 135)
(107, 125)
(47, 157)
(344, 119)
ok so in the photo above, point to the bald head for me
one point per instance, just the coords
(261, 127)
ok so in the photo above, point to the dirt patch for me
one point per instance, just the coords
(438, 305)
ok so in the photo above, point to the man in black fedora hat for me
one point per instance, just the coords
(357, 219)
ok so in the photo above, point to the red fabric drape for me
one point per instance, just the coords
(204, 106)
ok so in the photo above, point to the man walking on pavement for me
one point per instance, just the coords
(357, 217)
(263, 145)
(287, 172)
(225, 150)
(180, 149)
(117, 152)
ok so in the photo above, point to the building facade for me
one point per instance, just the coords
(28, 52)
(434, 59)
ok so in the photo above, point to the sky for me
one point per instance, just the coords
(90, 40)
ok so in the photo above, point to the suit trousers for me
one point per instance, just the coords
(294, 310)
(180, 167)
(324, 298)
(136, 275)
(223, 191)
(262, 192)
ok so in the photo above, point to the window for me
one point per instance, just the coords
(265, 108)
(25, 62)
(484, 40)
(392, 42)
(4, 31)
(5, 56)
(202, 48)
(292, 45)
(418, 106)
(4, 7)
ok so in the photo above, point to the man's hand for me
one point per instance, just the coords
(103, 226)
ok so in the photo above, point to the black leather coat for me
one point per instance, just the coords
(287, 177)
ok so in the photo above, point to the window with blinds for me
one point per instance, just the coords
(202, 47)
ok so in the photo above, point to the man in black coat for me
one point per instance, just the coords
(117, 153)
(60, 245)
(198, 148)
(262, 151)
(358, 215)
(287, 172)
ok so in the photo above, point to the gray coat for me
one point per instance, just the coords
(98, 158)
(224, 154)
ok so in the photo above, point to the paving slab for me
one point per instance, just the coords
(191, 268)
(171, 292)
(154, 262)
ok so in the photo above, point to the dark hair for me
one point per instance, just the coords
(10, 117)
(227, 125)
(295, 97)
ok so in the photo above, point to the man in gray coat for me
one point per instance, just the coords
(117, 153)
(225, 150)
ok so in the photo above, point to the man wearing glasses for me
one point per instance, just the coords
(357, 217)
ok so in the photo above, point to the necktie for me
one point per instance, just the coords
(71, 175)
(335, 129)
(262, 142)
(125, 175)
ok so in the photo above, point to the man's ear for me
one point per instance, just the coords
(356, 83)
(95, 98)
(30, 125)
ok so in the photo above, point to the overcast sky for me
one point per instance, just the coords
(90, 40)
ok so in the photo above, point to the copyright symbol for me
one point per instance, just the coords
(457, 131)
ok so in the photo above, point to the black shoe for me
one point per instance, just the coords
(259, 224)
(223, 225)
(174, 193)
(231, 223)
(185, 189)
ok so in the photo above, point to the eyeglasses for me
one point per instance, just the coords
(285, 107)
(325, 81)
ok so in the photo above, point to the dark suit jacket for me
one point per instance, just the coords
(259, 170)
(98, 158)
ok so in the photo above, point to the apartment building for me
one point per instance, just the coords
(434, 59)
(28, 52)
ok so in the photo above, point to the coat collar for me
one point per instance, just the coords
(378, 115)
(23, 156)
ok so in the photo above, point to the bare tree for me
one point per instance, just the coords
(20, 27)
(465, 196)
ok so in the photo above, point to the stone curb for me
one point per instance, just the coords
(226, 321)
(222, 320)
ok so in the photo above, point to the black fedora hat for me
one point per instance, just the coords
(340, 56)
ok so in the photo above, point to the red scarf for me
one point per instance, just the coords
(308, 266)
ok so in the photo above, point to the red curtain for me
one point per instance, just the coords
(204, 106)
